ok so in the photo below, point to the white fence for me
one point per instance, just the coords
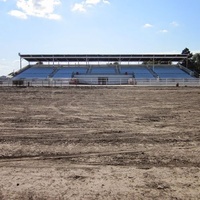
(94, 81)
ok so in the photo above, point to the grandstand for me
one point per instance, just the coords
(95, 69)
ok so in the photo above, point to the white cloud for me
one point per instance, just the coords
(106, 2)
(175, 24)
(163, 31)
(54, 17)
(85, 4)
(148, 26)
(36, 8)
(18, 14)
(79, 7)
(94, 2)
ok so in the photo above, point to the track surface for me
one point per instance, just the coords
(100, 143)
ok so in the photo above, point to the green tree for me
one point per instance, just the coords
(193, 62)
(196, 62)
(189, 62)
(187, 52)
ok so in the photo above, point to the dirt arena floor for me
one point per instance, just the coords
(100, 143)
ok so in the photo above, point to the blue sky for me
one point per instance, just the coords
(96, 26)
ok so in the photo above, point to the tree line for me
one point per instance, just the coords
(193, 62)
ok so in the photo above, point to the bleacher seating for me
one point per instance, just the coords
(103, 70)
(138, 71)
(67, 72)
(35, 72)
(126, 69)
(168, 71)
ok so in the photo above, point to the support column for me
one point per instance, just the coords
(187, 63)
(153, 63)
(20, 61)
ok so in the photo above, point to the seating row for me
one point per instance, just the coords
(141, 71)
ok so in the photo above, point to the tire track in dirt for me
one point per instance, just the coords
(53, 104)
(21, 158)
(72, 103)
(138, 159)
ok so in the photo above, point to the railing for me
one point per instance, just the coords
(103, 81)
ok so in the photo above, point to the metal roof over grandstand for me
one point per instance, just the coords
(103, 57)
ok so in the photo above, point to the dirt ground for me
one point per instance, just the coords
(100, 143)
